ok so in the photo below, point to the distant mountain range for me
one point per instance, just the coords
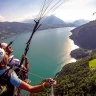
(50, 21)
(53, 20)
(80, 22)
(8, 29)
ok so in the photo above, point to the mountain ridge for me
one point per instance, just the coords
(8, 29)
(46, 20)
(84, 35)
(53, 20)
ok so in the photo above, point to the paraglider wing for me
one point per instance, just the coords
(94, 13)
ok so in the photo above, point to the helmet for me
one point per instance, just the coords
(2, 54)
(3, 45)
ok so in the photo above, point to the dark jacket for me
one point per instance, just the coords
(5, 83)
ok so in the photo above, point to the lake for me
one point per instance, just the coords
(49, 51)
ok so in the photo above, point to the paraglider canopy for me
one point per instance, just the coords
(94, 13)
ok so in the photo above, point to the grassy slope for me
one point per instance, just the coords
(92, 63)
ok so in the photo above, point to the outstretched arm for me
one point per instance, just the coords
(37, 88)
(15, 81)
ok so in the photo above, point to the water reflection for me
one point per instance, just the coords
(68, 47)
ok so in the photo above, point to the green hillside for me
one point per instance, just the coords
(76, 79)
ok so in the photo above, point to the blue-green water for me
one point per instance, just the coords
(49, 51)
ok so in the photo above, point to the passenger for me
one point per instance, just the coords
(9, 79)
(16, 62)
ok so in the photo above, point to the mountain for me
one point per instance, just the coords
(80, 22)
(47, 20)
(8, 29)
(85, 35)
(51, 21)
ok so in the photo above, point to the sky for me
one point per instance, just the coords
(71, 10)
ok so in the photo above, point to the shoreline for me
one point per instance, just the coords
(31, 31)
(71, 59)
(76, 46)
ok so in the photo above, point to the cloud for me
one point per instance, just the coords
(2, 18)
(25, 17)
(26, 9)
(92, 3)
(77, 9)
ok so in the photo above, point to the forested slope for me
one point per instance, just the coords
(77, 79)
(85, 35)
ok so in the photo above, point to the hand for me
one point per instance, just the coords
(49, 82)
(24, 57)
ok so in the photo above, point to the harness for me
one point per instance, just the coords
(21, 73)
(6, 88)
